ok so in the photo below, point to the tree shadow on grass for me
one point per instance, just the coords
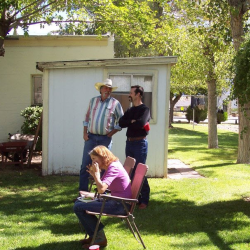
(54, 246)
(184, 217)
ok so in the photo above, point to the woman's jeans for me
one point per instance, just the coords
(93, 141)
(89, 221)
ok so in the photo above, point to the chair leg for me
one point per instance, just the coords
(133, 225)
(137, 231)
(131, 228)
(98, 223)
(81, 227)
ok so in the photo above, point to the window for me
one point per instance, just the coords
(37, 98)
(124, 82)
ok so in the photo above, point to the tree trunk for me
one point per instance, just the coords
(212, 114)
(173, 100)
(244, 136)
(2, 36)
(236, 23)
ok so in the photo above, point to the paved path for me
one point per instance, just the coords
(178, 170)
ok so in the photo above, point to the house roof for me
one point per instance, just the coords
(56, 41)
(108, 62)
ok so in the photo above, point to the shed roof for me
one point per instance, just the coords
(108, 62)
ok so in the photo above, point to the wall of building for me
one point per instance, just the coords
(19, 64)
(67, 93)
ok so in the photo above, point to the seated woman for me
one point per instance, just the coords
(116, 180)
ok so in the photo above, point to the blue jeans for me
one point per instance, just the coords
(139, 151)
(89, 221)
(93, 141)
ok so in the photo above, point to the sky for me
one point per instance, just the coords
(36, 30)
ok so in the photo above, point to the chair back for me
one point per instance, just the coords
(129, 164)
(138, 179)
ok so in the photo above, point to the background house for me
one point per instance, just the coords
(67, 89)
(21, 82)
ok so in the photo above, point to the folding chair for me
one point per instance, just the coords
(128, 165)
(139, 176)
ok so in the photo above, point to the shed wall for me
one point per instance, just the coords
(69, 93)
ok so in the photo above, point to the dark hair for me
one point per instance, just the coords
(138, 89)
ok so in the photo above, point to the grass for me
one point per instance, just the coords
(208, 213)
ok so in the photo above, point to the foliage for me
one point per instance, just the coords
(241, 83)
(221, 117)
(208, 22)
(199, 114)
(31, 119)
(130, 19)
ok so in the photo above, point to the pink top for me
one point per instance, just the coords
(118, 181)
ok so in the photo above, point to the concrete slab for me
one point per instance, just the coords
(178, 170)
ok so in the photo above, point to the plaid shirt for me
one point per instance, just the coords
(103, 116)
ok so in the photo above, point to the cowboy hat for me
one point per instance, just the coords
(107, 82)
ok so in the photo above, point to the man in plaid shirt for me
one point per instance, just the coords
(101, 123)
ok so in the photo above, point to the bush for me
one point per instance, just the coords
(31, 119)
(221, 116)
(199, 114)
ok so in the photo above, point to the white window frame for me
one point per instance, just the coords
(35, 92)
(153, 73)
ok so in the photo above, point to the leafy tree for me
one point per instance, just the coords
(208, 21)
(170, 37)
(241, 91)
(130, 18)
(14, 14)
(241, 86)
(239, 14)
(198, 33)
(187, 76)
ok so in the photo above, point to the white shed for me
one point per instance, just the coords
(67, 89)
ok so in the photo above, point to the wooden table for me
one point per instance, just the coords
(14, 147)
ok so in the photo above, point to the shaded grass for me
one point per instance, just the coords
(210, 213)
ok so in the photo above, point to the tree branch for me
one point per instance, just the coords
(34, 12)
(31, 4)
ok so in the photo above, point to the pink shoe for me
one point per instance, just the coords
(103, 243)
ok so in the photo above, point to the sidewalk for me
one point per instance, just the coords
(230, 120)
(178, 170)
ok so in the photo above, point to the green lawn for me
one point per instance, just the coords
(209, 213)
